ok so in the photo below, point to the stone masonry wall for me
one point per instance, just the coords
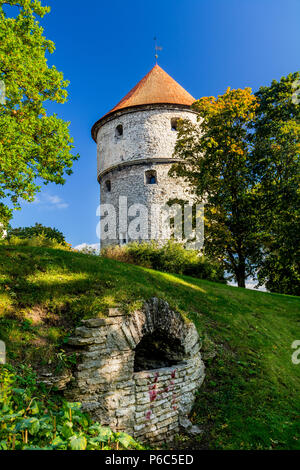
(147, 133)
(147, 143)
(147, 404)
(130, 182)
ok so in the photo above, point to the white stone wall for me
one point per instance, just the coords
(146, 134)
(147, 143)
(130, 182)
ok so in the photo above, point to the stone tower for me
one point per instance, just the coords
(135, 144)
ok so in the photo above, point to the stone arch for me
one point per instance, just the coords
(147, 403)
(162, 340)
(156, 315)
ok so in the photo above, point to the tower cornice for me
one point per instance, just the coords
(143, 161)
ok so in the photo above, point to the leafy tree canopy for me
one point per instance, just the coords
(275, 161)
(214, 155)
(33, 144)
(242, 160)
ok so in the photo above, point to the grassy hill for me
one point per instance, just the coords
(251, 395)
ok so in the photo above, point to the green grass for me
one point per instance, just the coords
(251, 395)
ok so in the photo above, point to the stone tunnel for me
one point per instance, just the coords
(138, 373)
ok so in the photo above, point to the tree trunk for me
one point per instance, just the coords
(241, 281)
(241, 272)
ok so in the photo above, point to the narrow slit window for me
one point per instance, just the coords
(108, 186)
(123, 239)
(174, 124)
(119, 130)
(151, 177)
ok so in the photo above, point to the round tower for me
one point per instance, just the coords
(135, 145)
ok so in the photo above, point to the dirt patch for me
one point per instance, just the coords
(40, 315)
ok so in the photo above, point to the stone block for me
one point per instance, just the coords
(115, 312)
(95, 322)
(128, 336)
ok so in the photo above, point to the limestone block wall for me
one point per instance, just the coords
(146, 144)
(130, 182)
(112, 383)
(147, 133)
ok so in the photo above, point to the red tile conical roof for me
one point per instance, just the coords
(156, 87)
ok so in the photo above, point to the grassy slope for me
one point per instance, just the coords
(251, 395)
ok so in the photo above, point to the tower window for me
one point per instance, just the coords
(119, 130)
(174, 124)
(108, 186)
(123, 239)
(151, 177)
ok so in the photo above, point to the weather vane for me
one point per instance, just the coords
(157, 48)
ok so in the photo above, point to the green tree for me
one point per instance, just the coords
(214, 157)
(33, 145)
(275, 162)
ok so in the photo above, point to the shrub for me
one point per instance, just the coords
(172, 257)
(35, 231)
(118, 253)
(38, 235)
(37, 240)
(31, 419)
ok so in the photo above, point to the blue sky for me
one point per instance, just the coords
(104, 48)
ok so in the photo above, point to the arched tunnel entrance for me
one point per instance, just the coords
(138, 373)
(156, 350)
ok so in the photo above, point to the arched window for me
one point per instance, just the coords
(108, 186)
(119, 130)
(150, 177)
(174, 124)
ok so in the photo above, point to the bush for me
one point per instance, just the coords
(30, 419)
(36, 231)
(38, 235)
(37, 240)
(172, 257)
